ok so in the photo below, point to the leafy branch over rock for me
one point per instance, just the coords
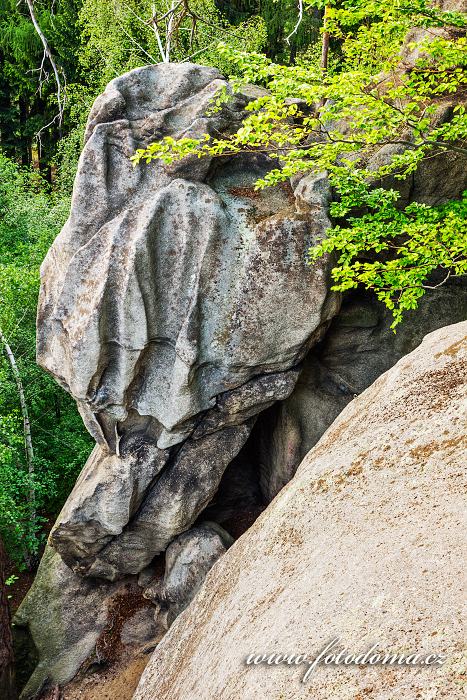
(377, 113)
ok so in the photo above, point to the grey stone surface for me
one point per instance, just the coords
(189, 558)
(175, 306)
(183, 490)
(170, 286)
(364, 544)
(140, 631)
(107, 494)
(176, 303)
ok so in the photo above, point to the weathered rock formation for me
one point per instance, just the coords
(176, 304)
(188, 559)
(358, 347)
(363, 544)
(64, 616)
(205, 355)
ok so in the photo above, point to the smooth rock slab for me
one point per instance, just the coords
(363, 544)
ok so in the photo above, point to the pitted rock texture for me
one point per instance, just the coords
(170, 286)
(364, 544)
(175, 305)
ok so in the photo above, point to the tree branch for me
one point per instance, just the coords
(298, 23)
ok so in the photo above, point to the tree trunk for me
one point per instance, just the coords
(24, 140)
(7, 673)
(28, 448)
(325, 44)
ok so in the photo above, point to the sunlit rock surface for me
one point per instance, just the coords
(175, 305)
(363, 545)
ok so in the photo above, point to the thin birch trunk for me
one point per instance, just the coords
(325, 42)
(28, 448)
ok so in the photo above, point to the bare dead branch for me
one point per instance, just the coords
(440, 284)
(47, 52)
(299, 21)
(155, 28)
(170, 30)
(170, 12)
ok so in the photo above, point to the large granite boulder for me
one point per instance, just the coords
(362, 545)
(175, 305)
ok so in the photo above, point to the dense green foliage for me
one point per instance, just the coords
(28, 95)
(118, 36)
(343, 83)
(419, 238)
(30, 217)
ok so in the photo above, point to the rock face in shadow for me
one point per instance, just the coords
(188, 559)
(175, 305)
(363, 545)
(179, 495)
(358, 347)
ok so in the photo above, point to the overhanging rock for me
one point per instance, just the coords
(175, 305)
